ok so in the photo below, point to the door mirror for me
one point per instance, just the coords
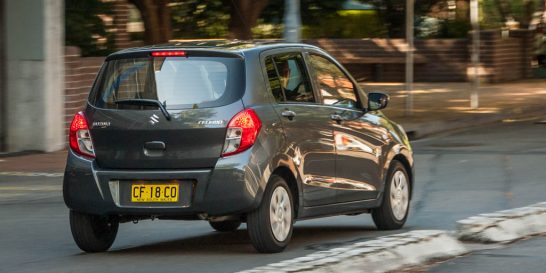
(377, 101)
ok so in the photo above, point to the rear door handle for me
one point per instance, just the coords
(288, 114)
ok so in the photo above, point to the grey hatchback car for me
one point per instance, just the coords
(232, 132)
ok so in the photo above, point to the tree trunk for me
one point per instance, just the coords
(528, 10)
(243, 16)
(503, 9)
(394, 15)
(156, 17)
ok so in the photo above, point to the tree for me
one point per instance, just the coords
(203, 18)
(312, 11)
(85, 28)
(319, 18)
(199, 19)
(393, 13)
(497, 12)
(244, 15)
(156, 17)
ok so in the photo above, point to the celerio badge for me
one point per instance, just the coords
(210, 122)
(101, 124)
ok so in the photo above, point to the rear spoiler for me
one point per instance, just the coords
(146, 53)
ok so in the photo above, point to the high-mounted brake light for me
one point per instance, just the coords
(242, 132)
(168, 53)
(79, 136)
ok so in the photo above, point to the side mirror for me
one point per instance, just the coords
(377, 101)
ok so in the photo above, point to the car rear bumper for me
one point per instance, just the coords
(228, 189)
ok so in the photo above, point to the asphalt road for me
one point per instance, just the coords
(458, 175)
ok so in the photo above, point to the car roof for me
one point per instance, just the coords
(228, 46)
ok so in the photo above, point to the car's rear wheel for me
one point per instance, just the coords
(226, 226)
(393, 212)
(270, 226)
(93, 233)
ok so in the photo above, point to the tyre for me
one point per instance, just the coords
(270, 225)
(226, 226)
(93, 233)
(393, 212)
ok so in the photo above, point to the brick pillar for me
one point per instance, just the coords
(121, 18)
(489, 40)
(527, 49)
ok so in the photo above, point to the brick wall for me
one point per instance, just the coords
(80, 74)
(506, 57)
(436, 60)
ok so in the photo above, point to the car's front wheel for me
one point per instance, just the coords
(270, 226)
(93, 233)
(393, 212)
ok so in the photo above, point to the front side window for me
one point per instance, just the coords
(335, 87)
(178, 82)
(288, 78)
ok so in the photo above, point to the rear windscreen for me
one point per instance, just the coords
(179, 82)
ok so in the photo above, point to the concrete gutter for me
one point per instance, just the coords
(504, 226)
(383, 254)
(395, 252)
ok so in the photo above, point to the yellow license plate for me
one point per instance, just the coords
(154, 192)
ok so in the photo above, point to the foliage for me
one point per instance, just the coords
(494, 13)
(312, 11)
(214, 18)
(85, 28)
(322, 19)
(429, 27)
(347, 24)
(454, 29)
(199, 19)
(393, 13)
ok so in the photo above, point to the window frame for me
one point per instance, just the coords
(359, 93)
(306, 72)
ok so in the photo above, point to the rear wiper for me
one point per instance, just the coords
(146, 102)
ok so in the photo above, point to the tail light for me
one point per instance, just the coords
(79, 136)
(242, 132)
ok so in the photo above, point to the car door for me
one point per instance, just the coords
(358, 137)
(306, 126)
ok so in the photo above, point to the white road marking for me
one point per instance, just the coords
(46, 174)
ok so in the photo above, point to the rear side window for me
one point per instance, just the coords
(274, 81)
(179, 82)
(288, 78)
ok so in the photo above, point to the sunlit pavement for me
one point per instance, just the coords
(439, 107)
(487, 169)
